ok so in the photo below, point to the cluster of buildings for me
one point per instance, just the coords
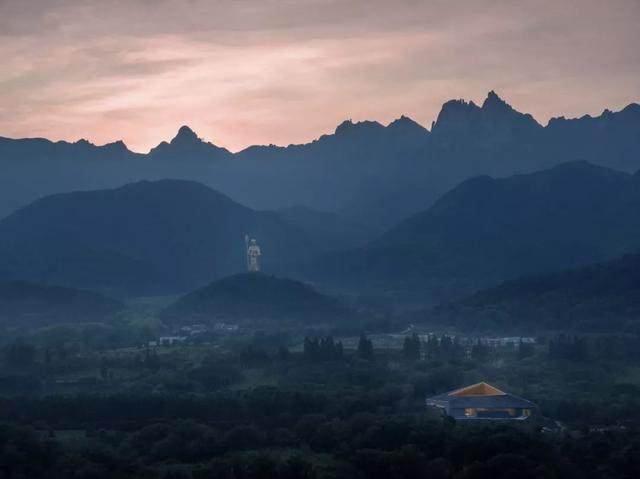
(193, 330)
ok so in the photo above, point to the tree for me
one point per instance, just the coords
(311, 348)
(151, 359)
(480, 351)
(525, 350)
(365, 348)
(47, 356)
(325, 349)
(104, 368)
(432, 347)
(411, 347)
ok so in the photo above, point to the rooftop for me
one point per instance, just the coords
(481, 395)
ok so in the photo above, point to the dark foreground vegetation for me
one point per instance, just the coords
(276, 406)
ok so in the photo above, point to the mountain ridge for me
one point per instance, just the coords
(488, 230)
(154, 237)
(367, 171)
(492, 102)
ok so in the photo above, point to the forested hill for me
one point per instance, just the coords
(28, 305)
(488, 230)
(143, 238)
(604, 297)
(256, 296)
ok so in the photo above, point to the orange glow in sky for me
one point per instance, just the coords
(256, 72)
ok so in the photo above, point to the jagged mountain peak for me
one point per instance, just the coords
(629, 115)
(187, 144)
(493, 101)
(630, 112)
(349, 126)
(459, 104)
(406, 123)
(460, 116)
(185, 135)
(118, 145)
(632, 108)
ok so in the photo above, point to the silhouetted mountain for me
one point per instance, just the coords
(143, 238)
(600, 298)
(187, 146)
(34, 167)
(28, 305)
(613, 136)
(373, 173)
(487, 230)
(494, 122)
(256, 297)
(33, 149)
(407, 129)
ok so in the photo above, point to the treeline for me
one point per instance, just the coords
(414, 348)
(322, 349)
(327, 349)
(581, 348)
(318, 446)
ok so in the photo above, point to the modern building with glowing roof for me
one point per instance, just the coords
(482, 401)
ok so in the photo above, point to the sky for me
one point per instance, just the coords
(242, 72)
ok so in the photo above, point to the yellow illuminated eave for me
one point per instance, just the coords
(478, 389)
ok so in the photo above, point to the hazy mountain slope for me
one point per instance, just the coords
(167, 235)
(256, 297)
(373, 173)
(611, 139)
(26, 304)
(329, 231)
(601, 297)
(487, 230)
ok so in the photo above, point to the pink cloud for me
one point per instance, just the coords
(247, 72)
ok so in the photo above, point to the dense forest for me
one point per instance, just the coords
(273, 405)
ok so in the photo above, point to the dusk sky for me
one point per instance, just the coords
(243, 72)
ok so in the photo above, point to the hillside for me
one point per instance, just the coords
(28, 305)
(143, 238)
(604, 297)
(256, 297)
(329, 231)
(488, 230)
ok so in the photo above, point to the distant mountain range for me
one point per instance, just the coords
(256, 297)
(366, 171)
(487, 230)
(171, 236)
(29, 305)
(155, 237)
(604, 297)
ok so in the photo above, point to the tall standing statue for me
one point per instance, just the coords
(253, 254)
